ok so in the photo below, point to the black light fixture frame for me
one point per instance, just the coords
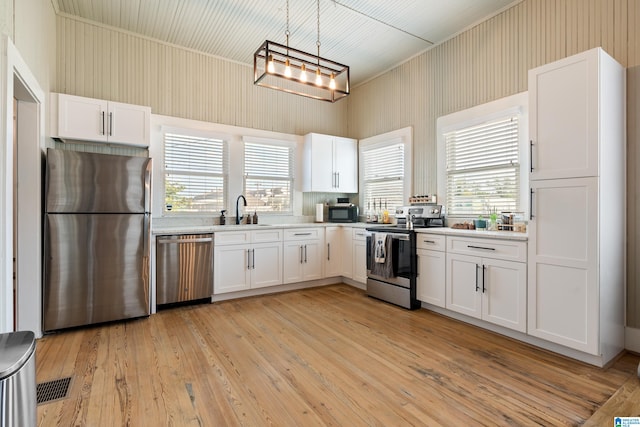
(278, 81)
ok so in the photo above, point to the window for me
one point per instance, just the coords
(268, 175)
(195, 173)
(483, 168)
(385, 169)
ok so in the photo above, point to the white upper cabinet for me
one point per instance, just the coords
(330, 164)
(88, 119)
(564, 105)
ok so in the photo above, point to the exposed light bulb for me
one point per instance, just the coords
(332, 82)
(287, 68)
(318, 77)
(270, 67)
(303, 73)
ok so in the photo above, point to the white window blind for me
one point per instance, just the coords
(196, 170)
(383, 174)
(483, 168)
(268, 180)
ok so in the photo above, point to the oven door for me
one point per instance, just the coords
(402, 259)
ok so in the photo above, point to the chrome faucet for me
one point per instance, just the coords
(239, 217)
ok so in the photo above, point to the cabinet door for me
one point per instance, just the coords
(129, 124)
(347, 252)
(563, 117)
(504, 293)
(267, 265)
(463, 289)
(293, 262)
(231, 268)
(312, 262)
(345, 161)
(563, 294)
(360, 261)
(321, 163)
(332, 252)
(82, 118)
(431, 277)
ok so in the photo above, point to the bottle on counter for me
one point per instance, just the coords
(374, 215)
(255, 217)
(385, 213)
(223, 219)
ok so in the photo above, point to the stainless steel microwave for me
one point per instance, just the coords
(343, 213)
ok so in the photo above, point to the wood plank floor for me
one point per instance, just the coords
(324, 356)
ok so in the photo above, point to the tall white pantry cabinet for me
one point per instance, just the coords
(577, 227)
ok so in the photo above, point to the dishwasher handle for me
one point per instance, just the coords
(182, 241)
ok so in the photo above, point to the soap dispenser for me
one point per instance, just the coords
(223, 219)
(255, 217)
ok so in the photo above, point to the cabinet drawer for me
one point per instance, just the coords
(302, 234)
(436, 242)
(267, 235)
(488, 248)
(359, 234)
(222, 238)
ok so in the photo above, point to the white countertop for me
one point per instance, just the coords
(197, 229)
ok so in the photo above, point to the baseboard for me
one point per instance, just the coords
(632, 339)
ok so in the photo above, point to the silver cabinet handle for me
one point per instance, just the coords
(302, 234)
(305, 254)
(481, 247)
(102, 114)
(430, 241)
(300, 254)
(253, 258)
(328, 251)
(110, 124)
(248, 259)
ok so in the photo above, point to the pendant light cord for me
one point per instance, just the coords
(318, 41)
(287, 32)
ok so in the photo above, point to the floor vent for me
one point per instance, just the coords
(52, 390)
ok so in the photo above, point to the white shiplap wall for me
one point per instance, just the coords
(101, 62)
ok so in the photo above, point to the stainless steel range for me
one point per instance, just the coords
(391, 254)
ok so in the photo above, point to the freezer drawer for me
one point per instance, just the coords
(184, 268)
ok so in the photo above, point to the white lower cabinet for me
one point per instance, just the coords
(247, 260)
(481, 285)
(359, 255)
(332, 251)
(347, 252)
(431, 268)
(303, 253)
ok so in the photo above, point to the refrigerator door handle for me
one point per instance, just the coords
(147, 187)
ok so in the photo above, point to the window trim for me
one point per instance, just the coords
(515, 104)
(403, 135)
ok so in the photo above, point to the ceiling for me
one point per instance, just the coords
(371, 36)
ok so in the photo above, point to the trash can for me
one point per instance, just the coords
(17, 379)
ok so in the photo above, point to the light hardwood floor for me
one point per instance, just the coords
(323, 356)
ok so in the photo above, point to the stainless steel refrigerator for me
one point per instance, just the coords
(96, 244)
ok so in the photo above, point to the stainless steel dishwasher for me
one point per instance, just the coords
(184, 267)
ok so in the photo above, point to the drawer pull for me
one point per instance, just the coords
(433, 242)
(302, 234)
(481, 247)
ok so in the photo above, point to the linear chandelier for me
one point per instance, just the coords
(283, 68)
